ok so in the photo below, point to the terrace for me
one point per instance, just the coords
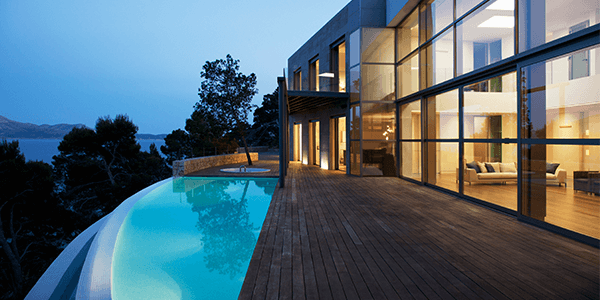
(332, 236)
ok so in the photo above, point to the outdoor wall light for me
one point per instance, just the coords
(327, 74)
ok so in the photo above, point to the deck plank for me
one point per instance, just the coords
(332, 236)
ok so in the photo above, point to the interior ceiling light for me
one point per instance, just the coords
(498, 22)
(329, 75)
(502, 5)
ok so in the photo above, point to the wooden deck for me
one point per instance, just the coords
(332, 236)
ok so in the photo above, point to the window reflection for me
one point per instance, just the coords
(355, 158)
(558, 105)
(561, 186)
(542, 21)
(379, 158)
(377, 45)
(437, 60)
(490, 108)
(435, 15)
(377, 83)
(407, 35)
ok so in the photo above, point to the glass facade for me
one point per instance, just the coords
(522, 137)
(561, 97)
(490, 170)
(561, 185)
(408, 75)
(407, 35)
(442, 163)
(442, 116)
(543, 21)
(377, 83)
(410, 120)
(411, 160)
(435, 15)
(484, 37)
(437, 60)
(490, 108)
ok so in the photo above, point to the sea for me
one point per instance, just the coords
(44, 149)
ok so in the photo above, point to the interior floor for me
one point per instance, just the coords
(565, 207)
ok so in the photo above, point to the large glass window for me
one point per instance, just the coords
(437, 60)
(408, 75)
(557, 103)
(379, 122)
(542, 21)
(411, 160)
(490, 173)
(561, 186)
(377, 83)
(355, 48)
(410, 120)
(378, 45)
(435, 16)
(442, 165)
(379, 158)
(442, 116)
(298, 80)
(355, 84)
(355, 122)
(490, 108)
(463, 6)
(485, 36)
(338, 65)
(314, 75)
(355, 158)
(407, 35)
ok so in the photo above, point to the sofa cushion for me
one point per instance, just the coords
(492, 167)
(508, 167)
(551, 176)
(551, 168)
(482, 167)
(496, 175)
(473, 165)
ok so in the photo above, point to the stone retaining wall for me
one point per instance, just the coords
(187, 166)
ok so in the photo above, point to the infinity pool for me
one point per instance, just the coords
(191, 238)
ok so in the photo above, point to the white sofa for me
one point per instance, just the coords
(508, 174)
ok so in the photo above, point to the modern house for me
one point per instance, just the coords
(497, 102)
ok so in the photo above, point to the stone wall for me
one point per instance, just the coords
(187, 166)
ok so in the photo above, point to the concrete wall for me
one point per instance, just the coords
(338, 28)
(187, 166)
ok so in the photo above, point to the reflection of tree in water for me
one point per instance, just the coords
(268, 186)
(225, 224)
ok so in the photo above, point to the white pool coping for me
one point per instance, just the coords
(95, 281)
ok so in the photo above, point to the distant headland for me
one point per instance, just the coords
(10, 129)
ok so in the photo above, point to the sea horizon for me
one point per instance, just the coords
(45, 149)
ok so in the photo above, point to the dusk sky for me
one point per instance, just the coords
(74, 61)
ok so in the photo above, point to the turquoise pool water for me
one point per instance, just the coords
(191, 238)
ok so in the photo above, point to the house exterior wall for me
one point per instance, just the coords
(456, 58)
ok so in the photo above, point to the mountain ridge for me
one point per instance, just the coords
(10, 129)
